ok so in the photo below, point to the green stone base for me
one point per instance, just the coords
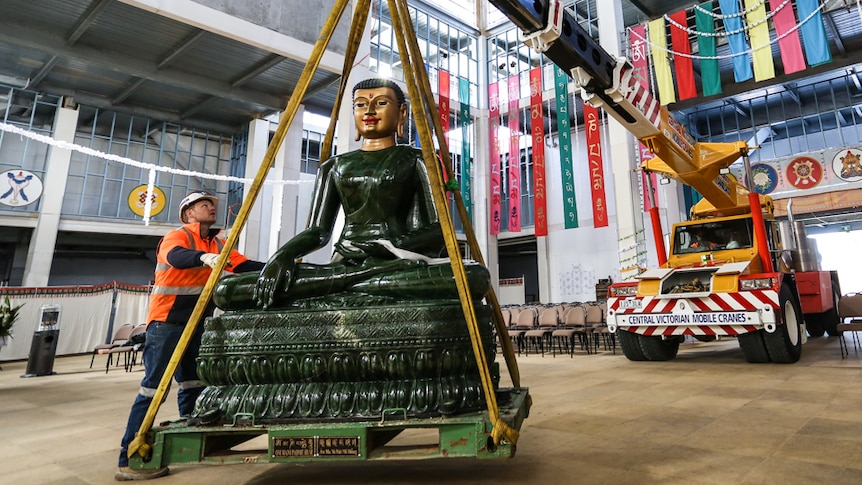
(346, 364)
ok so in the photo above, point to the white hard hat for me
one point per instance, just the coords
(195, 197)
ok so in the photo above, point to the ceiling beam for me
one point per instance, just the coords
(180, 48)
(48, 42)
(86, 20)
(104, 102)
(46, 68)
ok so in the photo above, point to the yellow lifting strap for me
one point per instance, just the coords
(472, 242)
(403, 27)
(139, 444)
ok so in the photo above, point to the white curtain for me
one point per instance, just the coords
(131, 308)
(82, 323)
(84, 320)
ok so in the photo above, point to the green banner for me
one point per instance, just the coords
(466, 183)
(570, 205)
(709, 74)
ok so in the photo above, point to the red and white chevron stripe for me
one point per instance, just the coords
(715, 302)
(639, 96)
(692, 330)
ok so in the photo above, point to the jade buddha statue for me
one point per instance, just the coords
(391, 246)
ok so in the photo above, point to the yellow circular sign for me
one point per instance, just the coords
(138, 200)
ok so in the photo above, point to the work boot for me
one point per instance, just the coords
(126, 474)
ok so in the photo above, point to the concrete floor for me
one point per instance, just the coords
(705, 418)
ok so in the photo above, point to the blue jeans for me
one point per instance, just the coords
(162, 339)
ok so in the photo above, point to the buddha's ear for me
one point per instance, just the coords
(402, 120)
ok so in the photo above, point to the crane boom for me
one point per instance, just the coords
(610, 83)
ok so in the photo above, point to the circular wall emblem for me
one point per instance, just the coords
(804, 172)
(19, 188)
(846, 164)
(138, 200)
(765, 178)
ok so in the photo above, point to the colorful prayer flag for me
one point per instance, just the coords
(710, 76)
(682, 56)
(663, 77)
(759, 32)
(736, 39)
(813, 32)
(788, 37)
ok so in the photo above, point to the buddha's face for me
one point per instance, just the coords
(376, 113)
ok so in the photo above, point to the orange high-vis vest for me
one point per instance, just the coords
(176, 290)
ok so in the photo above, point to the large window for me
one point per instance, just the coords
(785, 120)
(30, 111)
(100, 188)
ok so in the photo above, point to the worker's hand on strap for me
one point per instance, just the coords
(209, 259)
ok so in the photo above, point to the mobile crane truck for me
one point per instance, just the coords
(733, 269)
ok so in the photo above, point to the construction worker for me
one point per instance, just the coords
(184, 259)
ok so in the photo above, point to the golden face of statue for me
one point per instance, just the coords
(377, 114)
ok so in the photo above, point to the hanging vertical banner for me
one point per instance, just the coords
(443, 94)
(788, 37)
(561, 92)
(466, 121)
(758, 30)
(639, 60)
(663, 76)
(639, 63)
(736, 40)
(597, 172)
(682, 55)
(813, 32)
(537, 128)
(514, 172)
(710, 77)
(495, 190)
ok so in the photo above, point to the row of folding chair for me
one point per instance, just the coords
(559, 327)
(120, 345)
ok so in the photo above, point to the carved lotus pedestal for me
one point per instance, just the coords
(343, 365)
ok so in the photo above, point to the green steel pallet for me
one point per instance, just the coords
(464, 435)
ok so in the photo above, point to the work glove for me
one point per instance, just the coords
(209, 259)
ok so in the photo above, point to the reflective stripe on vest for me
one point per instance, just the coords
(178, 290)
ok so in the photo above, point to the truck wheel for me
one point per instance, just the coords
(630, 343)
(785, 343)
(753, 347)
(657, 348)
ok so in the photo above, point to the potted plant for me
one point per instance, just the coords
(8, 316)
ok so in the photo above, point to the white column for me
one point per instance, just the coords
(252, 234)
(620, 147)
(41, 252)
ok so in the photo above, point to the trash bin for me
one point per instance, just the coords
(43, 348)
(42, 351)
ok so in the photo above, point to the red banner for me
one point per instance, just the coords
(681, 59)
(537, 127)
(495, 186)
(443, 93)
(597, 172)
(641, 73)
(514, 172)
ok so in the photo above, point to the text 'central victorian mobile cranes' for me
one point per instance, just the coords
(733, 270)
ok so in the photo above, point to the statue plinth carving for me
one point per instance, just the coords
(347, 364)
